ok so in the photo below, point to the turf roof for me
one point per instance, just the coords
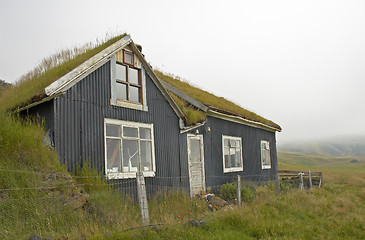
(30, 88)
(215, 103)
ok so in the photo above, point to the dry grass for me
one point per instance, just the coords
(210, 99)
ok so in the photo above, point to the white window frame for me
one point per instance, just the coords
(123, 175)
(125, 103)
(262, 150)
(232, 169)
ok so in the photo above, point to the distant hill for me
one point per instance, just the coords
(342, 146)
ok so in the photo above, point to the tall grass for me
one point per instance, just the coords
(334, 212)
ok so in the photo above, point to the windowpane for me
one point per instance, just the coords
(145, 133)
(130, 132)
(130, 155)
(113, 155)
(128, 57)
(146, 155)
(121, 91)
(232, 143)
(134, 94)
(227, 162)
(195, 155)
(121, 72)
(112, 130)
(133, 76)
(238, 157)
(225, 142)
(265, 154)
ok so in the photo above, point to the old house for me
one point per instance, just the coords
(115, 112)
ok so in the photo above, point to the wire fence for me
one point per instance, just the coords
(129, 186)
(59, 199)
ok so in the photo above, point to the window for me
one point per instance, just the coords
(232, 154)
(265, 155)
(128, 83)
(128, 146)
(128, 57)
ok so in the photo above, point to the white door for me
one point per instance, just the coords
(196, 164)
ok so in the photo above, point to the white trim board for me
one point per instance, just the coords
(241, 120)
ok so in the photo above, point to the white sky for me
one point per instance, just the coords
(298, 63)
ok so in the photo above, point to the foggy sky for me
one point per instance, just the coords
(300, 64)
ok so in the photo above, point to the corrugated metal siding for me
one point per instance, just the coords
(79, 127)
(213, 155)
(251, 138)
(44, 111)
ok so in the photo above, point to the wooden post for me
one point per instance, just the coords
(320, 180)
(239, 190)
(142, 198)
(301, 185)
(310, 179)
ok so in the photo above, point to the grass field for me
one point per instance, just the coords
(336, 211)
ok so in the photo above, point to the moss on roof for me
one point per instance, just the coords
(30, 87)
(218, 103)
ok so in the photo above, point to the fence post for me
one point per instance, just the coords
(310, 179)
(301, 185)
(320, 180)
(142, 198)
(239, 190)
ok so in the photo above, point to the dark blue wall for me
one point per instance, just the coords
(251, 139)
(79, 126)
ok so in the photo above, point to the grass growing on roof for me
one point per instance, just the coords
(192, 114)
(210, 99)
(31, 85)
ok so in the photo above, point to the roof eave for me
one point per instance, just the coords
(74, 76)
(238, 119)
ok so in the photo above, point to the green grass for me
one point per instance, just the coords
(210, 99)
(192, 114)
(336, 211)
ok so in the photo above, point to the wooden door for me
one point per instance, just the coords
(196, 164)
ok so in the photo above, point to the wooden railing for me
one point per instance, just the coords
(313, 178)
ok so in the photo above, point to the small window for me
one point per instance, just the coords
(128, 57)
(265, 155)
(128, 83)
(128, 146)
(232, 154)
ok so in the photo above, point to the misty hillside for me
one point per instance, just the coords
(346, 146)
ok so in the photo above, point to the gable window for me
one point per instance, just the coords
(128, 57)
(128, 147)
(128, 85)
(128, 81)
(265, 155)
(232, 154)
